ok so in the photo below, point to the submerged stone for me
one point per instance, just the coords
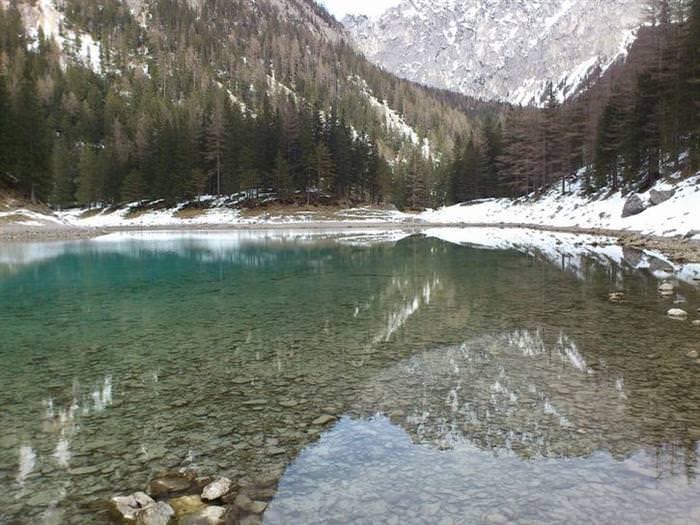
(169, 484)
(128, 507)
(677, 313)
(616, 297)
(323, 420)
(159, 513)
(246, 504)
(186, 505)
(666, 288)
(216, 489)
(206, 516)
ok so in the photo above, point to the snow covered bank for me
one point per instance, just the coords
(219, 214)
(679, 215)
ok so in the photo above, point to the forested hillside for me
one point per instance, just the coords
(641, 121)
(120, 101)
(108, 102)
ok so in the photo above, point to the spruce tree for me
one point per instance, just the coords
(5, 131)
(63, 166)
(32, 149)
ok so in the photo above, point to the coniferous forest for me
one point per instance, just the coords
(640, 121)
(197, 101)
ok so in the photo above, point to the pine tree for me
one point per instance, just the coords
(690, 78)
(90, 171)
(134, 187)
(5, 131)
(322, 169)
(282, 180)
(216, 141)
(63, 164)
(32, 150)
(492, 152)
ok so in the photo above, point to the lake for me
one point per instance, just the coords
(467, 377)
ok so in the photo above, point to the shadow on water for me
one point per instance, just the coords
(463, 377)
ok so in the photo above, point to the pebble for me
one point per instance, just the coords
(677, 313)
(616, 297)
(323, 420)
(168, 484)
(666, 288)
(245, 503)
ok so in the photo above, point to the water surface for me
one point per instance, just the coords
(471, 385)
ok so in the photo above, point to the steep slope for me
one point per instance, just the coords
(499, 49)
(249, 92)
(277, 48)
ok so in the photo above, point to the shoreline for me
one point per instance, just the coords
(678, 249)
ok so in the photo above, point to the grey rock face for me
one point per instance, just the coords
(633, 206)
(499, 49)
(657, 197)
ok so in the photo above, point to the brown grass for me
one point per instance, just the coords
(190, 213)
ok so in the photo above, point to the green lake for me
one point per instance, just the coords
(473, 381)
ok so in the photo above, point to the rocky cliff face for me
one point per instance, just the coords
(499, 49)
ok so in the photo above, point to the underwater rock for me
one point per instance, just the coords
(159, 513)
(128, 507)
(216, 489)
(207, 516)
(323, 420)
(170, 483)
(185, 505)
(677, 313)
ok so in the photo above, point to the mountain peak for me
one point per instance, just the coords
(499, 49)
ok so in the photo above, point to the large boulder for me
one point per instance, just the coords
(633, 206)
(657, 197)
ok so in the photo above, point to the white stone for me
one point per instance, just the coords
(216, 489)
(128, 507)
(677, 313)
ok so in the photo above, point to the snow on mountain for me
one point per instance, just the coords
(45, 16)
(499, 49)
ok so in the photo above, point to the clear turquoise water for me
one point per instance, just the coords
(471, 385)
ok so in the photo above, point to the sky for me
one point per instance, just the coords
(340, 8)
